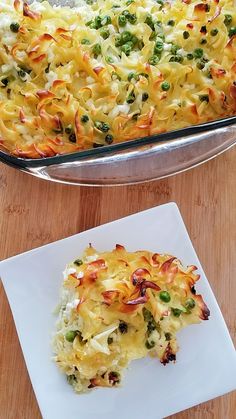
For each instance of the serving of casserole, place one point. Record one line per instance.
(119, 306)
(108, 72)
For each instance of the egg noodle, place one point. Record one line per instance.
(119, 306)
(111, 71)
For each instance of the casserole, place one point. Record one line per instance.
(119, 306)
(174, 85)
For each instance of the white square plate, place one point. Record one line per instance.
(206, 361)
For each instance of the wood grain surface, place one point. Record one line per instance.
(34, 212)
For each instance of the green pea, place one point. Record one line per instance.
(151, 326)
(208, 74)
(140, 44)
(71, 379)
(102, 126)
(145, 96)
(109, 59)
(171, 22)
(26, 69)
(71, 335)
(190, 303)
(68, 129)
(135, 116)
(104, 32)
(130, 97)
(144, 75)
(176, 58)
(153, 36)
(147, 315)
(232, 31)
(174, 49)
(115, 76)
(123, 327)
(200, 65)
(122, 20)
(114, 377)
(198, 53)
(90, 23)
(5, 81)
(228, 20)
(58, 130)
(126, 36)
(78, 262)
(97, 50)
(149, 22)
(126, 13)
(168, 336)
(85, 41)
(164, 295)
(84, 119)
(106, 20)
(161, 36)
(47, 69)
(203, 41)
(205, 60)
(97, 22)
(134, 39)
(132, 18)
(214, 32)
(154, 59)
(151, 323)
(132, 75)
(176, 311)
(127, 48)
(14, 27)
(158, 48)
(109, 139)
(21, 73)
(149, 344)
(186, 34)
(190, 56)
(72, 137)
(118, 42)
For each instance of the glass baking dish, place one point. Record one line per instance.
(134, 161)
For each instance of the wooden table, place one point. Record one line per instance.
(34, 212)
